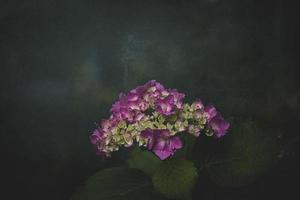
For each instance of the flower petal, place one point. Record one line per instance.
(219, 125)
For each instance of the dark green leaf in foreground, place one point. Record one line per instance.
(118, 183)
(175, 178)
(248, 152)
(143, 160)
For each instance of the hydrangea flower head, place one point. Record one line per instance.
(153, 117)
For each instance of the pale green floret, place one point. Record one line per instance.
(155, 114)
(142, 143)
(128, 139)
(202, 120)
(184, 115)
(173, 132)
(159, 125)
(187, 112)
(107, 140)
(146, 124)
(114, 131)
(180, 125)
(161, 119)
(122, 124)
(198, 114)
(169, 126)
(135, 133)
(208, 132)
(172, 118)
(187, 108)
(130, 127)
(195, 130)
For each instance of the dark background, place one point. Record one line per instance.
(64, 62)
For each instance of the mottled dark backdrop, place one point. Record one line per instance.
(64, 62)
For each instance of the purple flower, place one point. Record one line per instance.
(140, 90)
(120, 104)
(138, 116)
(138, 105)
(197, 105)
(161, 143)
(107, 124)
(123, 114)
(134, 105)
(177, 97)
(96, 136)
(154, 85)
(219, 125)
(124, 110)
(153, 91)
(127, 106)
(210, 111)
(166, 147)
(165, 106)
(132, 97)
(98, 140)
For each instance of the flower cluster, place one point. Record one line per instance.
(153, 116)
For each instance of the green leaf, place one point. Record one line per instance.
(143, 160)
(248, 153)
(175, 178)
(118, 183)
